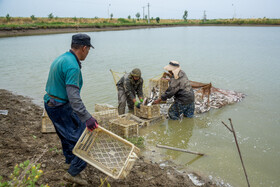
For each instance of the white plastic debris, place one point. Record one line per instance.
(195, 180)
(4, 112)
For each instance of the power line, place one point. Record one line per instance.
(148, 13)
(143, 12)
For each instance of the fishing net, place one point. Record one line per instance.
(117, 76)
(216, 98)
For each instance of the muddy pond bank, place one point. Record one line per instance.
(11, 32)
(21, 139)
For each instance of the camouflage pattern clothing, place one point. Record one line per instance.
(128, 88)
(183, 95)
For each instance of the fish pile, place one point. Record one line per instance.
(217, 99)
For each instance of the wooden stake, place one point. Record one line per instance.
(178, 149)
(233, 132)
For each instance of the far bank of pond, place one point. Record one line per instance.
(28, 31)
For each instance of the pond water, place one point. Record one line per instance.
(244, 59)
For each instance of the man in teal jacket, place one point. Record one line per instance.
(64, 105)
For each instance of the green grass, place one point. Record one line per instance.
(137, 141)
(45, 23)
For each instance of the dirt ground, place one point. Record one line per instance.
(21, 139)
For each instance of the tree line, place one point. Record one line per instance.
(137, 15)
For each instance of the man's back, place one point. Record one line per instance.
(64, 71)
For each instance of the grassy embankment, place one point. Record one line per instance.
(45, 23)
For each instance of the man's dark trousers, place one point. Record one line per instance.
(69, 128)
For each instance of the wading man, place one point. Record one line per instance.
(180, 88)
(129, 86)
(64, 105)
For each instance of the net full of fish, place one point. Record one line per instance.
(217, 99)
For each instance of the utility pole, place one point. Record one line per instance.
(234, 12)
(148, 13)
(204, 16)
(143, 12)
(109, 11)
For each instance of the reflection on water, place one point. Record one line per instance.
(173, 134)
(244, 59)
(193, 160)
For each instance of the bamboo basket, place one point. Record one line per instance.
(103, 117)
(102, 107)
(159, 84)
(107, 152)
(148, 122)
(47, 125)
(126, 125)
(134, 118)
(147, 112)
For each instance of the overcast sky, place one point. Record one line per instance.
(165, 9)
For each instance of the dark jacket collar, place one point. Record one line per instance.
(133, 82)
(80, 65)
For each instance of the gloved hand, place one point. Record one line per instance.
(157, 101)
(91, 124)
(138, 104)
(141, 100)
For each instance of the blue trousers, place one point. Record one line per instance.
(177, 109)
(69, 128)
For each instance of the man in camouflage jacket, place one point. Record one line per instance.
(129, 86)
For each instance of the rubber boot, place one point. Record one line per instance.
(77, 179)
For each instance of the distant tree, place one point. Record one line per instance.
(138, 15)
(111, 16)
(157, 19)
(8, 18)
(185, 16)
(50, 16)
(152, 18)
(75, 18)
(95, 17)
(146, 17)
(128, 17)
(32, 17)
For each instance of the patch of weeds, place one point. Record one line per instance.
(25, 174)
(103, 182)
(54, 149)
(137, 141)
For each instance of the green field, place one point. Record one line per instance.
(44, 23)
